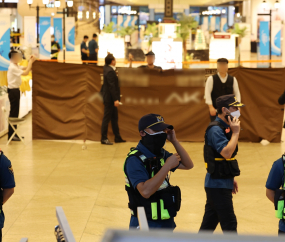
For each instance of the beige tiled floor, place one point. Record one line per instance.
(89, 185)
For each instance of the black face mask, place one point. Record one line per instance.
(154, 143)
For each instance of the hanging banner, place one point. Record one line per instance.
(224, 24)
(218, 24)
(205, 23)
(70, 33)
(30, 30)
(57, 25)
(45, 40)
(276, 38)
(209, 22)
(4, 42)
(264, 38)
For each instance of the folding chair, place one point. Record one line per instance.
(12, 122)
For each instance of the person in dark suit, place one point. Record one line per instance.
(111, 97)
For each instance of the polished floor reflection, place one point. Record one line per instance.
(89, 185)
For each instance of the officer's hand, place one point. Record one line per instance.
(171, 135)
(173, 161)
(117, 103)
(235, 125)
(213, 111)
(235, 190)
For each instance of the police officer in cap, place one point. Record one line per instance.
(147, 170)
(275, 180)
(220, 150)
(150, 58)
(7, 184)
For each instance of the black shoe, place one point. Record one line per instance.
(106, 142)
(120, 140)
(16, 139)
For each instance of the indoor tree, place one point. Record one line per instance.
(151, 32)
(109, 28)
(241, 32)
(187, 23)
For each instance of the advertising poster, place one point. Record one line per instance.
(264, 38)
(57, 25)
(70, 33)
(276, 38)
(30, 35)
(45, 38)
(224, 24)
(4, 42)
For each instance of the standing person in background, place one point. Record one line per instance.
(220, 84)
(84, 49)
(7, 182)
(14, 82)
(93, 49)
(55, 48)
(150, 58)
(111, 97)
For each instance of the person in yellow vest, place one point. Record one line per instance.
(55, 48)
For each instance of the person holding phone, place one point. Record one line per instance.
(220, 150)
(218, 85)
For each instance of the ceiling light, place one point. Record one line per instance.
(277, 4)
(264, 4)
(69, 3)
(29, 1)
(87, 14)
(238, 15)
(45, 2)
(57, 3)
(94, 15)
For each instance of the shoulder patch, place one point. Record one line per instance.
(10, 168)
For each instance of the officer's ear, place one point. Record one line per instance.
(142, 133)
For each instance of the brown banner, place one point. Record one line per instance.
(67, 104)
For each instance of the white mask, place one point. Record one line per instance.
(236, 114)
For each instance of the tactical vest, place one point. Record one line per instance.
(216, 164)
(279, 198)
(164, 203)
(54, 50)
(220, 88)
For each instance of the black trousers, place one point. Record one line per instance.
(0, 235)
(281, 233)
(84, 58)
(110, 114)
(219, 209)
(14, 98)
(93, 57)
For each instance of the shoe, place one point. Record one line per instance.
(106, 142)
(120, 140)
(16, 139)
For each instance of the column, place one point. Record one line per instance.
(107, 14)
(151, 14)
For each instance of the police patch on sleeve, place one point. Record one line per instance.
(10, 168)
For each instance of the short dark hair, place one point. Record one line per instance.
(223, 60)
(109, 58)
(11, 53)
(220, 111)
(85, 37)
(94, 35)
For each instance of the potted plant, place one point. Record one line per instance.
(109, 29)
(151, 32)
(241, 32)
(187, 24)
(126, 31)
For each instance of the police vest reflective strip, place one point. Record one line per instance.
(206, 164)
(280, 211)
(225, 159)
(143, 158)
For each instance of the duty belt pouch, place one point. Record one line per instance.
(279, 203)
(209, 159)
(234, 168)
(171, 197)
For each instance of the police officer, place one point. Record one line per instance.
(218, 85)
(275, 180)
(7, 182)
(220, 149)
(146, 172)
(150, 58)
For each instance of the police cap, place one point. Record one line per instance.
(228, 101)
(154, 122)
